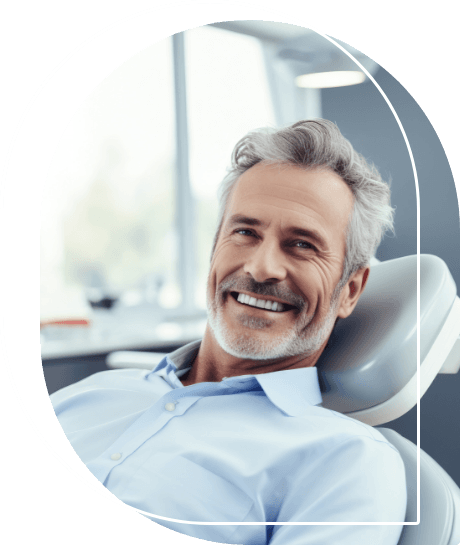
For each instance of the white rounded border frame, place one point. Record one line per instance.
(4, 174)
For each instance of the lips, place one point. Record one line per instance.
(236, 284)
(256, 301)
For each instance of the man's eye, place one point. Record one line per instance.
(244, 232)
(304, 244)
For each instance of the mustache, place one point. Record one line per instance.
(246, 283)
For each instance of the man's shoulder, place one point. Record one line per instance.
(340, 429)
(352, 450)
(113, 379)
(349, 472)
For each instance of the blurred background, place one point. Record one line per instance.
(129, 210)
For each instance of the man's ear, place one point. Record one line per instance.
(352, 291)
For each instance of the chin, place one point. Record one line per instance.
(252, 339)
(251, 345)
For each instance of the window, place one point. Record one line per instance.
(109, 211)
(228, 96)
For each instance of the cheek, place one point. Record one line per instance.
(330, 272)
(317, 282)
(226, 259)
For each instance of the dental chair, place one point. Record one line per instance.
(368, 371)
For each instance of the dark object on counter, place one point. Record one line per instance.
(105, 302)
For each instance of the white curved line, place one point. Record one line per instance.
(5, 170)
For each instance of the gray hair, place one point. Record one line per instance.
(320, 144)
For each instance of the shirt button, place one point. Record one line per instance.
(116, 456)
(170, 406)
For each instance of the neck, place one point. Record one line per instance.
(212, 363)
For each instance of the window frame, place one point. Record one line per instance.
(185, 207)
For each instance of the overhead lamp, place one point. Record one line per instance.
(317, 63)
(335, 78)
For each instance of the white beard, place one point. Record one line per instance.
(302, 339)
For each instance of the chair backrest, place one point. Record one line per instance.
(368, 369)
(439, 498)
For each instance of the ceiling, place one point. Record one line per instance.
(293, 37)
(265, 30)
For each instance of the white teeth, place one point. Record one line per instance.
(260, 303)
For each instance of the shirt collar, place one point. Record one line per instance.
(292, 390)
(176, 364)
(183, 357)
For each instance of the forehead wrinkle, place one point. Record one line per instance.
(287, 200)
(245, 219)
(274, 189)
(329, 185)
(273, 192)
(304, 211)
(300, 207)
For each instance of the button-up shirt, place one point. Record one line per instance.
(251, 448)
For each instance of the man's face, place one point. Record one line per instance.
(282, 241)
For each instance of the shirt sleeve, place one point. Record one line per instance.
(360, 480)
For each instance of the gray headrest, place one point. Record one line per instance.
(372, 354)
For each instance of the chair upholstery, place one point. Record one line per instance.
(368, 369)
(439, 498)
(371, 360)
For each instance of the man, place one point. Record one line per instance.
(230, 428)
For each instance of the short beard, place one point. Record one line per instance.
(303, 339)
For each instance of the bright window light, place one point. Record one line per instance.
(108, 206)
(323, 80)
(227, 96)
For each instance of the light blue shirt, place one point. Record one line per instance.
(253, 448)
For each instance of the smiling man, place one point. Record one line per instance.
(278, 259)
(230, 428)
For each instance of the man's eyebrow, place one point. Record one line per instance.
(239, 219)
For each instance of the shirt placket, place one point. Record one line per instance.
(173, 404)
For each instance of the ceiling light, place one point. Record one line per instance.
(335, 78)
(317, 63)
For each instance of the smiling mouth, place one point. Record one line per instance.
(263, 304)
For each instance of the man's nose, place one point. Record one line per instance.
(266, 263)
